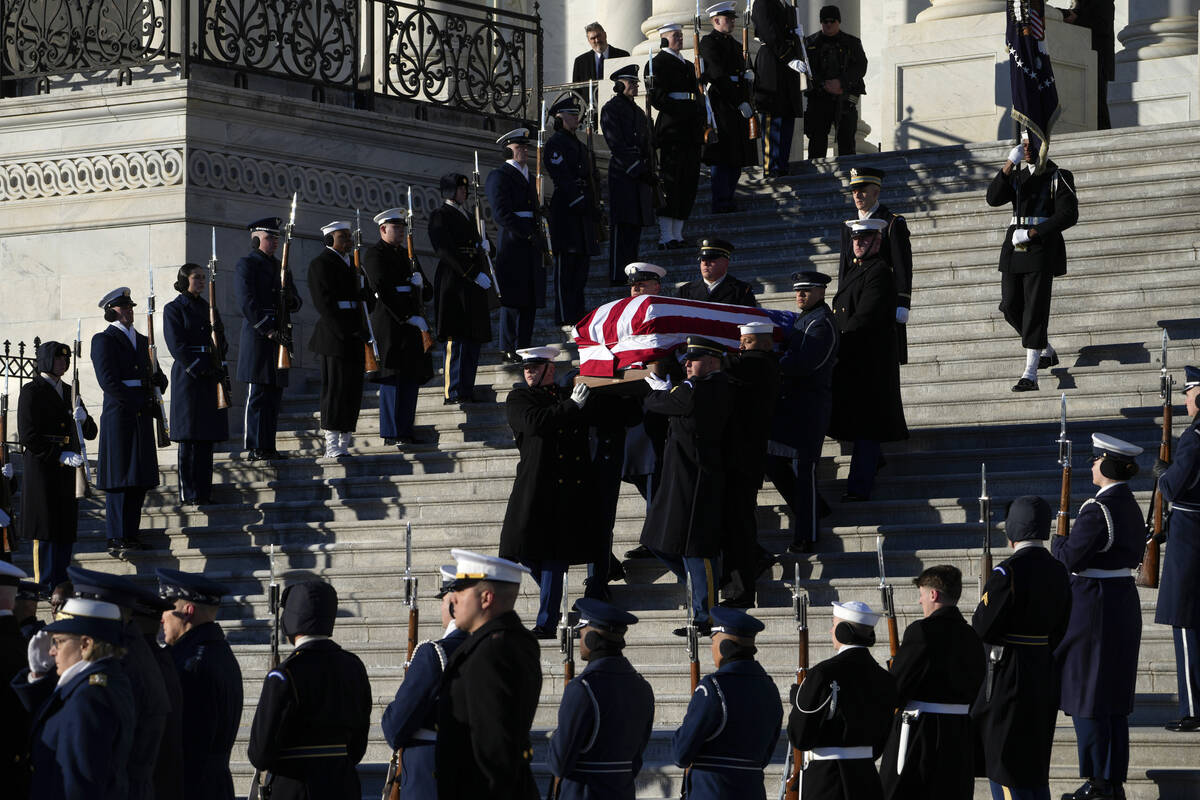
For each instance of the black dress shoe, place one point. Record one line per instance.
(451, 401)
(510, 357)
(411, 440)
(389, 441)
(616, 572)
(134, 543)
(1046, 362)
(1185, 725)
(255, 455)
(641, 551)
(800, 549)
(743, 600)
(1025, 385)
(275, 455)
(115, 547)
(543, 633)
(1094, 789)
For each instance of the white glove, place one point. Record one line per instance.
(418, 323)
(69, 459)
(1016, 155)
(1020, 236)
(748, 75)
(746, 110)
(486, 245)
(902, 315)
(798, 65)
(579, 394)
(417, 280)
(4, 518)
(658, 384)
(483, 281)
(7, 471)
(40, 660)
(80, 414)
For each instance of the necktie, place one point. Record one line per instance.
(600, 65)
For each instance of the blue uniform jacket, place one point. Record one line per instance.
(518, 265)
(1179, 588)
(729, 732)
(413, 714)
(256, 284)
(127, 444)
(1099, 654)
(806, 383)
(630, 187)
(81, 733)
(572, 229)
(188, 333)
(604, 722)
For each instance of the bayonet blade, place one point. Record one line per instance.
(879, 554)
(1062, 426)
(214, 245)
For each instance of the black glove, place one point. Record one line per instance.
(1160, 467)
(159, 380)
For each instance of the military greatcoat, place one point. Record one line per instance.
(777, 89)
(1179, 588)
(727, 89)
(630, 179)
(572, 226)
(389, 275)
(460, 305)
(806, 383)
(188, 334)
(678, 130)
(127, 440)
(896, 250)
(256, 282)
(520, 271)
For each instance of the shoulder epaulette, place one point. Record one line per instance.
(97, 679)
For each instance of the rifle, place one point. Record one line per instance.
(7, 545)
(790, 790)
(888, 600)
(808, 81)
(566, 636)
(481, 228)
(83, 474)
(224, 390)
(391, 783)
(283, 315)
(426, 336)
(985, 516)
(598, 210)
(543, 225)
(710, 121)
(370, 347)
(260, 785)
(1147, 574)
(1064, 461)
(162, 428)
(754, 132)
(693, 651)
(660, 197)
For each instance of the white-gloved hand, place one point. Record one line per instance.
(69, 459)
(1017, 154)
(1020, 236)
(902, 315)
(418, 322)
(4, 518)
(483, 281)
(748, 75)
(38, 651)
(417, 280)
(486, 245)
(7, 471)
(746, 110)
(80, 414)
(798, 65)
(658, 384)
(579, 394)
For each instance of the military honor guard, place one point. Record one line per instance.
(804, 408)
(841, 715)
(630, 177)
(520, 272)
(403, 363)
(210, 679)
(732, 723)
(460, 289)
(128, 463)
(14, 731)
(867, 407)
(552, 481)
(258, 292)
(410, 720)
(715, 284)
(938, 670)
(573, 226)
(1022, 617)
(678, 132)
(896, 248)
(310, 728)
(196, 421)
(47, 414)
(81, 705)
(727, 77)
(25, 608)
(1034, 253)
(685, 521)
(1099, 654)
(490, 688)
(778, 65)
(606, 713)
(839, 66)
(146, 621)
(1179, 588)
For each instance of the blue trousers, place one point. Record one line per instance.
(1187, 668)
(549, 577)
(1013, 793)
(777, 143)
(570, 280)
(516, 327)
(397, 407)
(704, 572)
(50, 562)
(723, 180)
(123, 512)
(462, 362)
(195, 471)
(262, 416)
(1103, 744)
(796, 480)
(864, 463)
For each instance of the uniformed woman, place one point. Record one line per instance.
(196, 420)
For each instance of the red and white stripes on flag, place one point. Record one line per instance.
(635, 330)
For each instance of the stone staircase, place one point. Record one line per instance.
(1133, 266)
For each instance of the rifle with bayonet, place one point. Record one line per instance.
(370, 347)
(660, 197)
(1064, 461)
(1147, 573)
(793, 765)
(599, 213)
(7, 545)
(808, 79)
(283, 314)
(888, 601)
(710, 120)
(418, 287)
(754, 133)
(219, 347)
(540, 206)
(566, 634)
(162, 427)
(494, 295)
(260, 785)
(693, 651)
(985, 516)
(83, 473)
(391, 783)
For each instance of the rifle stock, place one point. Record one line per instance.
(754, 132)
(791, 788)
(391, 782)
(370, 347)
(1064, 460)
(283, 314)
(224, 390)
(1147, 573)
(162, 427)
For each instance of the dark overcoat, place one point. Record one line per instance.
(777, 89)
(194, 375)
(520, 271)
(46, 427)
(604, 722)
(866, 378)
(1022, 616)
(460, 307)
(680, 119)
(341, 328)
(727, 89)
(389, 275)
(552, 481)
(256, 284)
(14, 733)
(168, 769)
(151, 706)
(319, 696)
(630, 179)
(686, 514)
(941, 660)
(730, 291)
(489, 696)
(806, 383)
(896, 250)
(862, 717)
(755, 395)
(729, 731)
(1049, 197)
(839, 56)
(1179, 587)
(1099, 655)
(573, 226)
(1098, 16)
(127, 439)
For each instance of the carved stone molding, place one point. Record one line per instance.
(104, 172)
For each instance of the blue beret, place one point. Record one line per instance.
(176, 585)
(599, 614)
(734, 622)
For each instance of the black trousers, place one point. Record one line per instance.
(739, 545)
(679, 165)
(622, 249)
(195, 471)
(341, 392)
(1025, 304)
(570, 279)
(821, 115)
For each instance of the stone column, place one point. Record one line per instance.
(1157, 73)
(948, 9)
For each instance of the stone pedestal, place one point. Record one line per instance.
(946, 79)
(1157, 73)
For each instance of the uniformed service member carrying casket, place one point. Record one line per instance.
(715, 284)
(573, 226)
(630, 177)
(678, 133)
(728, 78)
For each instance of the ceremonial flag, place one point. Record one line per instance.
(1034, 93)
(635, 330)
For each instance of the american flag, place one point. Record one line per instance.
(634, 330)
(1031, 76)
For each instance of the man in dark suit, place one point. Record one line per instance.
(590, 66)
(1098, 17)
(716, 285)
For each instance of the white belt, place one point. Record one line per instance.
(524, 214)
(132, 383)
(424, 735)
(1105, 573)
(1027, 220)
(938, 708)
(1183, 507)
(681, 95)
(404, 288)
(840, 753)
(347, 305)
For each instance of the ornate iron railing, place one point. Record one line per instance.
(19, 367)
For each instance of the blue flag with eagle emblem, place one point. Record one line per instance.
(1034, 92)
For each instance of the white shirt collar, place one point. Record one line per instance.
(459, 208)
(72, 671)
(603, 52)
(869, 212)
(716, 283)
(309, 638)
(850, 647)
(53, 380)
(524, 170)
(451, 628)
(6, 612)
(1110, 486)
(130, 332)
(672, 52)
(1029, 543)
